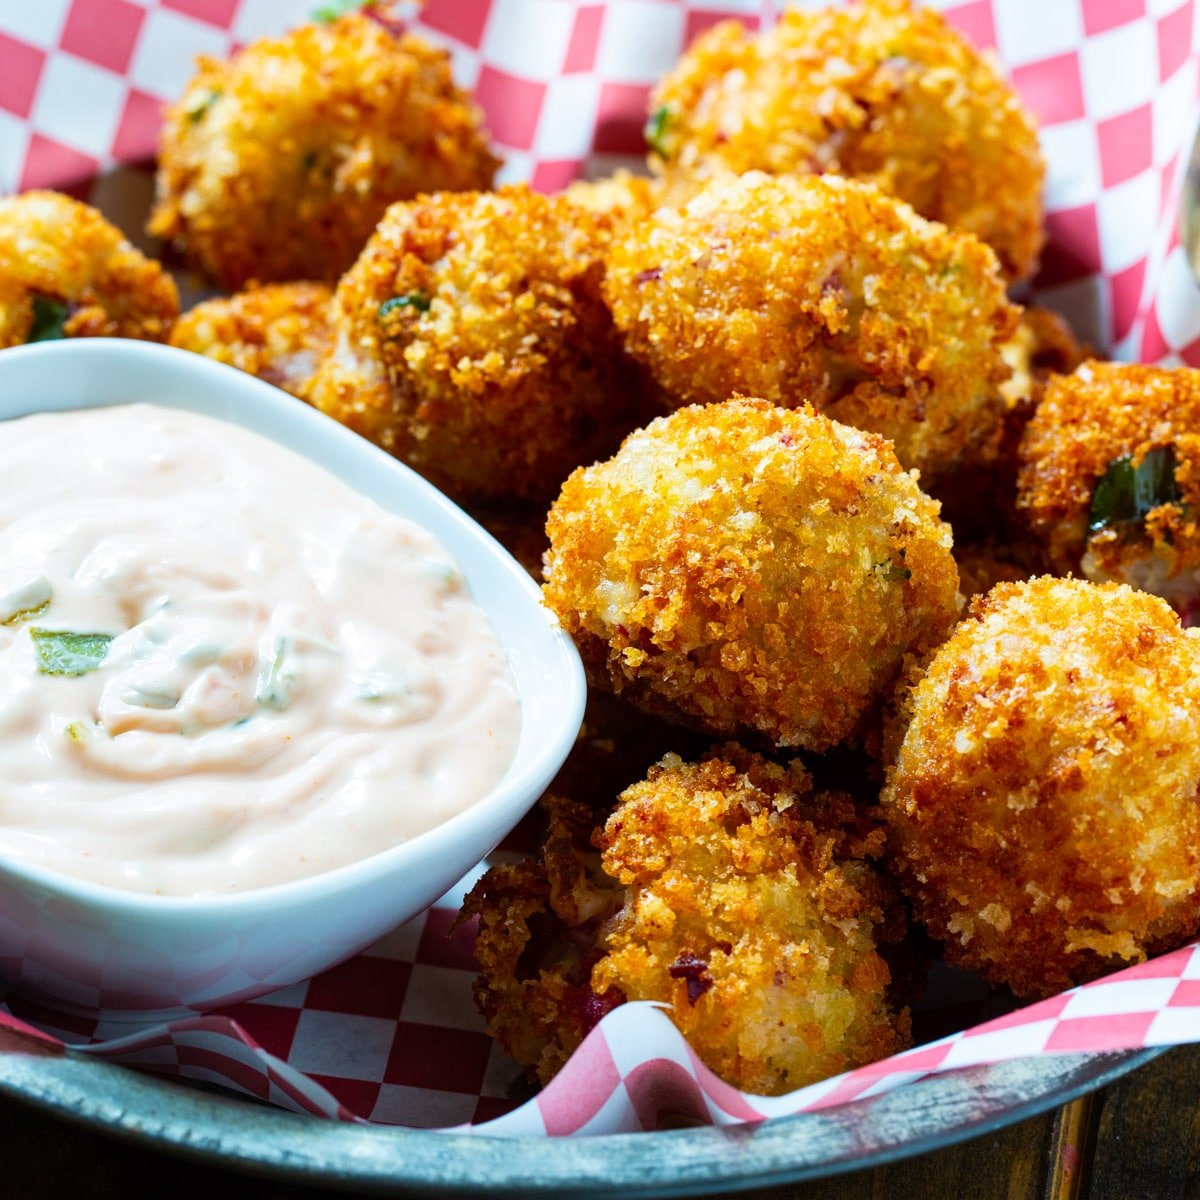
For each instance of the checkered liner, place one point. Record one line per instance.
(392, 1035)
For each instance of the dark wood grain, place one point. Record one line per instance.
(1148, 1132)
(1139, 1138)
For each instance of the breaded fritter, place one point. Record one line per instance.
(278, 332)
(537, 941)
(622, 195)
(827, 291)
(878, 90)
(750, 906)
(278, 164)
(66, 272)
(754, 910)
(1042, 345)
(472, 342)
(1110, 476)
(1043, 802)
(750, 568)
(980, 499)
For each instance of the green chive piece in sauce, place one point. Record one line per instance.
(61, 652)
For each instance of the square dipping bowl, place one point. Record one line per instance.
(94, 950)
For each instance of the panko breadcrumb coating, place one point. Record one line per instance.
(877, 90)
(622, 195)
(278, 332)
(750, 906)
(750, 568)
(278, 164)
(754, 910)
(1043, 801)
(827, 291)
(1042, 345)
(537, 941)
(1110, 476)
(980, 499)
(66, 272)
(472, 342)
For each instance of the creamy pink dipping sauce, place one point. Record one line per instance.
(270, 676)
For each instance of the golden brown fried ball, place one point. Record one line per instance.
(538, 938)
(1042, 345)
(66, 272)
(1110, 476)
(278, 164)
(980, 499)
(821, 290)
(1043, 802)
(754, 910)
(278, 332)
(877, 90)
(749, 905)
(750, 567)
(623, 196)
(472, 342)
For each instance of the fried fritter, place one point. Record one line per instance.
(1110, 477)
(750, 906)
(878, 90)
(66, 272)
(754, 910)
(278, 332)
(472, 342)
(622, 195)
(278, 164)
(979, 500)
(827, 291)
(537, 941)
(1041, 346)
(750, 567)
(1043, 801)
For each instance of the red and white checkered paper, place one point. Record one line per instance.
(392, 1035)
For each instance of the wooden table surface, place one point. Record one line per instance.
(1138, 1138)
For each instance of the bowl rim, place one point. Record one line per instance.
(265, 407)
(217, 1128)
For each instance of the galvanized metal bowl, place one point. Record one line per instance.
(925, 1116)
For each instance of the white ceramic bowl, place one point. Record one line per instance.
(87, 948)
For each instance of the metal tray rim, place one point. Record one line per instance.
(225, 1131)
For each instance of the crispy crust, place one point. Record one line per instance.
(750, 567)
(827, 291)
(728, 891)
(536, 942)
(277, 333)
(1043, 801)
(877, 90)
(980, 500)
(1106, 411)
(59, 249)
(277, 164)
(626, 197)
(496, 371)
(754, 910)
